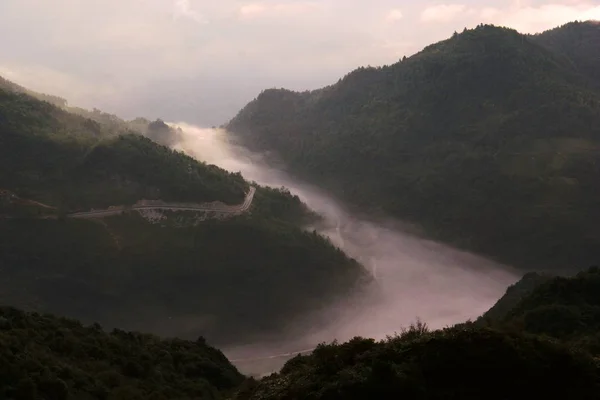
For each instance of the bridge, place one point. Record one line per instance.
(157, 205)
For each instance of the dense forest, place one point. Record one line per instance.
(65, 160)
(565, 308)
(488, 141)
(45, 357)
(128, 272)
(216, 279)
(454, 363)
(546, 343)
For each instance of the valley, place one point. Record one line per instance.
(425, 230)
(487, 141)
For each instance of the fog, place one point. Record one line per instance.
(414, 278)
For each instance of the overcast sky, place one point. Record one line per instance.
(200, 61)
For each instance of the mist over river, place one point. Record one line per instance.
(414, 278)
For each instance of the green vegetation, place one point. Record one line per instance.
(13, 87)
(514, 294)
(565, 308)
(541, 337)
(454, 363)
(579, 44)
(68, 161)
(547, 344)
(216, 279)
(44, 357)
(186, 275)
(487, 141)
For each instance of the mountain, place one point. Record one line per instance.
(579, 43)
(57, 358)
(514, 294)
(7, 85)
(487, 141)
(566, 308)
(541, 337)
(47, 357)
(175, 273)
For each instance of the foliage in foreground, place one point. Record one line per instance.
(454, 363)
(45, 357)
(565, 308)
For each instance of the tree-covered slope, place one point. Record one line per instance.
(579, 43)
(514, 294)
(66, 160)
(45, 357)
(184, 274)
(487, 140)
(566, 308)
(230, 280)
(563, 308)
(455, 363)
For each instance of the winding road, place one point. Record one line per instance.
(206, 207)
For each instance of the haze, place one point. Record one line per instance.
(415, 279)
(200, 61)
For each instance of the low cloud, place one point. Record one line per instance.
(442, 12)
(257, 10)
(184, 9)
(394, 15)
(532, 19)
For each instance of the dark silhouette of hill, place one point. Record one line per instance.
(565, 308)
(183, 275)
(46, 357)
(488, 141)
(579, 43)
(454, 363)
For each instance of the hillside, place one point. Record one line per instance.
(513, 296)
(566, 308)
(563, 308)
(171, 273)
(56, 358)
(65, 160)
(455, 363)
(541, 338)
(487, 141)
(579, 43)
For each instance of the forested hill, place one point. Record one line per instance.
(45, 357)
(541, 337)
(579, 43)
(171, 273)
(488, 141)
(70, 161)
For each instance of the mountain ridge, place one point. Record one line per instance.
(124, 270)
(486, 140)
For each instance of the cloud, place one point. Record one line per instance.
(254, 10)
(489, 13)
(210, 57)
(46, 80)
(394, 15)
(442, 12)
(183, 8)
(533, 19)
